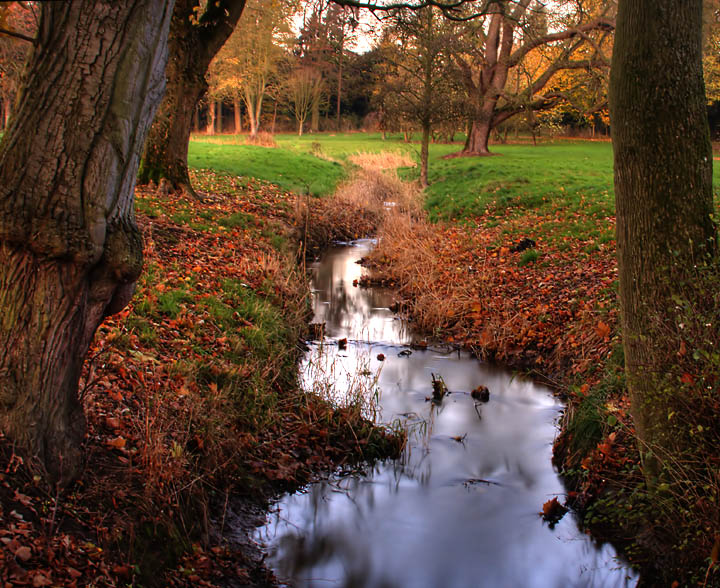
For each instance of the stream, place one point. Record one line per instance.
(461, 506)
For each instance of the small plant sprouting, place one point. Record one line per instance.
(530, 256)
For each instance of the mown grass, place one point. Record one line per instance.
(293, 171)
(311, 164)
(560, 174)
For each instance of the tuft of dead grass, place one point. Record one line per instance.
(384, 160)
(261, 140)
(359, 207)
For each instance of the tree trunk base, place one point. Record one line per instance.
(167, 187)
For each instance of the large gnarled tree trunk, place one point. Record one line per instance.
(486, 66)
(663, 187)
(70, 251)
(192, 45)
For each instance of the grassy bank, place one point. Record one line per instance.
(192, 404)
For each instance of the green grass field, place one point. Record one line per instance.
(312, 164)
(292, 171)
(522, 177)
(573, 176)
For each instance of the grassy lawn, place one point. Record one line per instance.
(522, 177)
(311, 163)
(295, 172)
(573, 179)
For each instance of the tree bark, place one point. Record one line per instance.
(339, 83)
(315, 116)
(210, 128)
(663, 190)
(192, 46)
(253, 105)
(70, 251)
(238, 116)
(274, 119)
(468, 135)
(6, 112)
(479, 138)
(424, 154)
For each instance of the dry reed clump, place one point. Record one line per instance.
(407, 253)
(218, 139)
(261, 140)
(357, 209)
(385, 160)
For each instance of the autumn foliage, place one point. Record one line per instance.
(192, 404)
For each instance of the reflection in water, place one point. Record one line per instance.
(460, 508)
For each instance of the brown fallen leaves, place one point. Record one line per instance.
(189, 393)
(554, 315)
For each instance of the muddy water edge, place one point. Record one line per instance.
(461, 506)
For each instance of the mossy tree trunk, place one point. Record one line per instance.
(663, 189)
(70, 251)
(194, 41)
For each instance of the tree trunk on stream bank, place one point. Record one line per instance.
(70, 249)
(192, 44)
(663, 188)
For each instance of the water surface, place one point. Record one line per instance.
(460, 508)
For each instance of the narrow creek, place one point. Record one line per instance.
(460, 508)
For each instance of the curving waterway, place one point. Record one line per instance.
(460, 508)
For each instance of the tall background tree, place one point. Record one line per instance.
(418, 84)
(69, 246)
(493, 45)
(663, 191)
(198, 31)
(342, 23)
(304, 93)
(243, 68)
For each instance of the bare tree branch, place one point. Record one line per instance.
(17, 35)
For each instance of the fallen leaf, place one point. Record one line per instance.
(117, 443)
(603, 330)
(23, 553)
(41, 580)
(553, 511)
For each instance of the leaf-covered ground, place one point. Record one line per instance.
(192, 405)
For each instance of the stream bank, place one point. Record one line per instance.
(535, 290)
(194, 413)
(462, 505)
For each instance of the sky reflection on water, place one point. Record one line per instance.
(448, 513)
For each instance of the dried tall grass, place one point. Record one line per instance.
(261, 140)
(385, 160)
(359, 207)
(408, 251)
